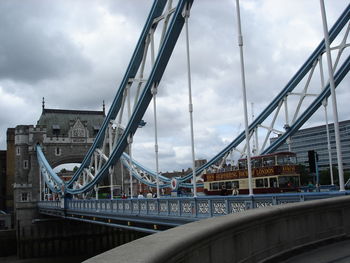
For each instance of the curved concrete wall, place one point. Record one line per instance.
(249, 236)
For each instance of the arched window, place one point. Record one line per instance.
(57, 151)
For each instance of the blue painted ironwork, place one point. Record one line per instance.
(166, 181)
(157, 72)
(156, 10)
(166, 49)
(53, 181)
(169, 210)
(341, 73)
(333, 33)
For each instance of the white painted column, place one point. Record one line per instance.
(333, 97)
(130, 139)
(122, 174)
(194, 179)
(240, 44)
(325, 104)
(154, 93)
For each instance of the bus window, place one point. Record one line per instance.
(242, 164)
(281, 160)
(221, 185)
(214, 186)
(291, 160)
(291, 181)
(273, 182)
(286, 159)
(235, 183)
(284, 181)
(266, 183)
(253, 163)
(228, 185)
(269, 161)
(259, 183)
(256, 163)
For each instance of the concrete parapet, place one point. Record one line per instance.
(249, 236)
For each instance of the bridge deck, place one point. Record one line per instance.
(153, 215)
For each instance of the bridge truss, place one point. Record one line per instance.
(303, 95)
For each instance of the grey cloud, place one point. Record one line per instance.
(30, 50)
(38, 57)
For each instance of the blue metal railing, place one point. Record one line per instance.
(183, 207)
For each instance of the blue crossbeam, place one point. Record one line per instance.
(342, 72)
(166, 49)
(50, 172)
(333, 33)
(163, 57)
(156, 11)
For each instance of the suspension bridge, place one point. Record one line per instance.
(306, 92)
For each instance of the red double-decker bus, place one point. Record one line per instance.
(271, 173)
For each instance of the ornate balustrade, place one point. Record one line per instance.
(182, 207)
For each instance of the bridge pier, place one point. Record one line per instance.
(49, 237)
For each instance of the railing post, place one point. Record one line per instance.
(168, 206)
(210, 203)
(194, 209)
(139, 206)
(250, 204)
(274, 200)
(158, 206)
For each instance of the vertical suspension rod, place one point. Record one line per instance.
(287, 121)
(111, 170)
(240, 44)
(122, 174)
(154, 93)
(256, 144)
(194, 179)
(130, 144)
(333, 97)
(325, 103)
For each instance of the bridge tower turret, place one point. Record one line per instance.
(24, 196)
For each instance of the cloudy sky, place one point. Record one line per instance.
(75, 53)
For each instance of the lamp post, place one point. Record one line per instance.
(240, 44)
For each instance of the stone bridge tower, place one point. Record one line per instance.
(65, 136)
